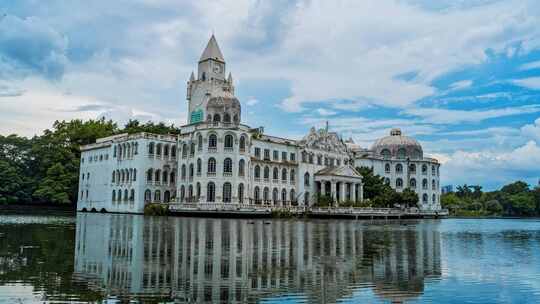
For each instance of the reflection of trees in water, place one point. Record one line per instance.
(194, 259)
(41, 256)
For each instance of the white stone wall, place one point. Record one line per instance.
(433, 193)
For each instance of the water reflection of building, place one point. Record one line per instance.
(214, 260)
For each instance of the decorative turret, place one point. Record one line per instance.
(211, 63)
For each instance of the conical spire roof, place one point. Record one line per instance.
(212, 51)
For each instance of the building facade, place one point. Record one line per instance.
(217, 159)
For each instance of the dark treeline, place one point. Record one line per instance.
(515, 199)
(45, 168)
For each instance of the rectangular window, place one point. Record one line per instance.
(293, 156)
(276, 155)
(284, 156)
(258, 152)
(266, 154)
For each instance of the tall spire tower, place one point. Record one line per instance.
(211, 82)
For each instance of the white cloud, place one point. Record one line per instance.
(492, 168)
(530, 66)
(532, 83)
(446, 116)
(252, 101)
(532, 131)
(325, 112)
(458, 85)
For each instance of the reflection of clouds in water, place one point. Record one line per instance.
(196, 259)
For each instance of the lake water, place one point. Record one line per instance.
(108, 258)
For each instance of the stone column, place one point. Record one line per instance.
(353, 192)
(342, 190)
(361, 190)
(333, 188)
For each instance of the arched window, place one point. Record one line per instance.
(283, 196)
(165, 177)
(399, 183)
(257, 172)
(242, 143)
(158, 149)
(149, 175)
(157, 176)
(229, 141)
(227, 166)
(412, 168)
(126, 195)
(401, 153)
(198, 192)
(190, 193)
(113, 195)
(386, 153)
(293, 196)
(227, 192)
(199, 142)
(192, 149)
(275, 196)
(150, 148)
(433, 199)
(157, 196)
(117, 177)
(119, 195)
(319, 160)
(132, 195)
(182, 193)
(387, 181)
(241, 167)
(424, 184)
(257, 195)
(166, 196)
(241, 193)
(166, 150)
(113, 175)
(387, 168)
(217, 118)
(413, 183)
(275, 174)
(184, 150)
(172, 178)
(123, 174)
(424, 198)
(399, 168)
(284, 174)
(212, 141)
(433, 185)
(134, 176)
(191, 171)
(210, 192)
(227, 118)
(173, 152)
(211, 166)
(292, 176)
(424, 169)
(199, 166)
(306, 179)
(266, 195)
(306, 199)
(236, 120)
(147, 195)
(183, 172)
(266, 172)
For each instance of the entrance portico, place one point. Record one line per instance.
(340, 183)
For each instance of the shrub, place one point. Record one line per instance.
(156, 209)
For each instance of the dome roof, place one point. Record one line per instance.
(398, 146)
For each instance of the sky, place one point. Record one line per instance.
(462, 77)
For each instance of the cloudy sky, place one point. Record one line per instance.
(463, 77)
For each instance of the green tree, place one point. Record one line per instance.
(55, 187)
(11, 183)
(409, 198)
(373, 184)
(451, 202)
(515, 188)
(523, 203)
(494, 207)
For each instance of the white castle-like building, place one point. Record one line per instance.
(217, 159)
